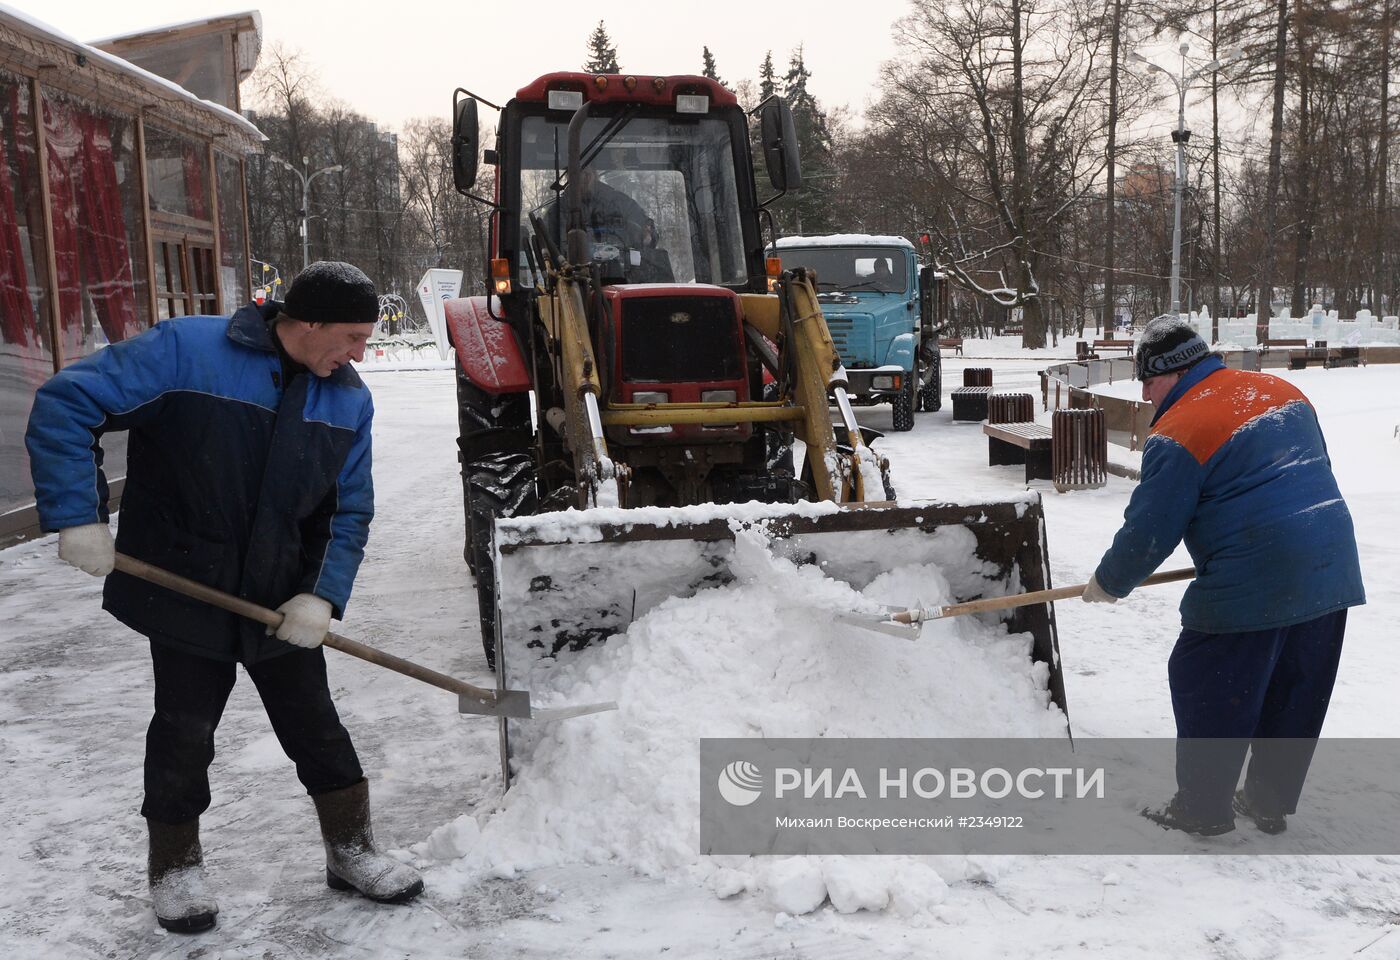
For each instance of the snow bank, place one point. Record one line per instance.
(760, 657)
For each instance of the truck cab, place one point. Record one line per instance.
(882, 309)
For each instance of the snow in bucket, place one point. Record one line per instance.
(760, 657)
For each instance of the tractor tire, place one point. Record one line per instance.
(931, 393)
(499, 485)
(904, 404)
(486, 424)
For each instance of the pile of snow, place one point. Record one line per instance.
(760, 657)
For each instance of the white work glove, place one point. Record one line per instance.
(1093, 593)
(305, 620)
(89, 548)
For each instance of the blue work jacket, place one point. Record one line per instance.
(1236, 466)
(234, 479)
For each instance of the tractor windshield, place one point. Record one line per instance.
(857, 269)
(657, 195)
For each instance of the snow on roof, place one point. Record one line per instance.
(247, 51)
(844, 240)
(157, 85)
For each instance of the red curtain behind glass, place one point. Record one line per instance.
(111, 285)
(196, 195)
(61, 146)
(88, 226)
(16, 309)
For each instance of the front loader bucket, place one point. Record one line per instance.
(568, 579)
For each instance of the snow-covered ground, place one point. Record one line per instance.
(75, 699)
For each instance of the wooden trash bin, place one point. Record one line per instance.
(1078, 449)
(1010, 408)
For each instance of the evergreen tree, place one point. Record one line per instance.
(602, 55)
(810, 209)
(767, 78)
(709, 68)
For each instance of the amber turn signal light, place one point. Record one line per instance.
(500, 275)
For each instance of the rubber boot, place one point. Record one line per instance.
(352, 862)
(175, 869)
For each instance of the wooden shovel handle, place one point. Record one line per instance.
(1026, 599)
(271, 618)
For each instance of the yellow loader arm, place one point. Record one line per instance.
(842, 478)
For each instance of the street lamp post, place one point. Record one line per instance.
(305, 199)
(1180, 136)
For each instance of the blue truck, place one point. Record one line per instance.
(884, 310)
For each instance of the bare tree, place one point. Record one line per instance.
(1387, 30)
(1029, 75)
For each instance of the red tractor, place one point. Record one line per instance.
(616, 423)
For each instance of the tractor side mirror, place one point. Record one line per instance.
(779, 135)
(466, 138)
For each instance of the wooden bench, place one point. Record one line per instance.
(1027, 443)
(970, 400)
(1342, 356)
(951, 343)
(1125, 345)
(970, 403)
(1307, 357)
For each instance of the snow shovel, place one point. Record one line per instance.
(909, 622)
(471, 698)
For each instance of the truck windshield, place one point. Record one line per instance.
(658, 196)
(878, 269)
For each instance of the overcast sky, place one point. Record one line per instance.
(401, 59)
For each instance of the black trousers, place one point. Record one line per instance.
(189, 700)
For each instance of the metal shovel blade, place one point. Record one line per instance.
(878, 624)
(515, 704)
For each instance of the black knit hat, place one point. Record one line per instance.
(1167, 345)
(330, 291)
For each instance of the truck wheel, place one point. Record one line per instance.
(931, 393)
(499, 485)
(904, 404)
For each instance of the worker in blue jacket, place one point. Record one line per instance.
(1236, 465)
(248, 469)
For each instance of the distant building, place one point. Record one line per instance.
(122, 202)
(1145, 181)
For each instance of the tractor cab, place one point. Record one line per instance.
(646, 179)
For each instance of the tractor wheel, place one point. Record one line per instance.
(904, 403)
(931, 393)
(486, 424)
(499, 485)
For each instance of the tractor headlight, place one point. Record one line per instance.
(651, 396)
(882, 383)
(719, 396)
(692, 103)
(569, 100)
